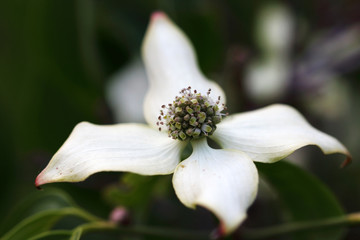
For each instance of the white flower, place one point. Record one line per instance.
(223, 180)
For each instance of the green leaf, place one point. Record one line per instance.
(76, 234)
(304, 198)
(136, 190)
(43, 221)
(91, 227)
(34, 203)
(35, 224)
(53, 235)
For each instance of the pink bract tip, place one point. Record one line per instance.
(222, 229)
(158, 15)
(38, 182)
(219, 232)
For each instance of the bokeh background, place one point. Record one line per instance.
(62, 62)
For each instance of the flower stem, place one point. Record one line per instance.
(250, 234)
(142, 230)
(81, 213)
(262, 233)
(168, 233)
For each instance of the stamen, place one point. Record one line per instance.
(191, 115)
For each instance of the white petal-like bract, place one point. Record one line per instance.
(171, 65)
(223, 181)
(272, 133)
(93, 148)
(125, 93)
(267, 80)
(275, 29)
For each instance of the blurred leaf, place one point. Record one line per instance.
(304, 197)
(53, 235)
(39, 213)
(35, 203)
(83, 229)
(88, 194)
(76, 234)
(137, 190)
(39, 223)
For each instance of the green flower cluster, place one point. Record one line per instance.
(191, 115)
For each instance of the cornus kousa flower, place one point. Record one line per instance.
(188, 108)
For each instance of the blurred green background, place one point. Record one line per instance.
(56, 59)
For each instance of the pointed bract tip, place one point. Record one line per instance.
(346, 162)
(38, 182)
(158, 15)
(219, 232)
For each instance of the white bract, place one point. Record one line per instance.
(267, 76)
(223, 180)
(129, 84)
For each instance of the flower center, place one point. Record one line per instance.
(191, 115)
